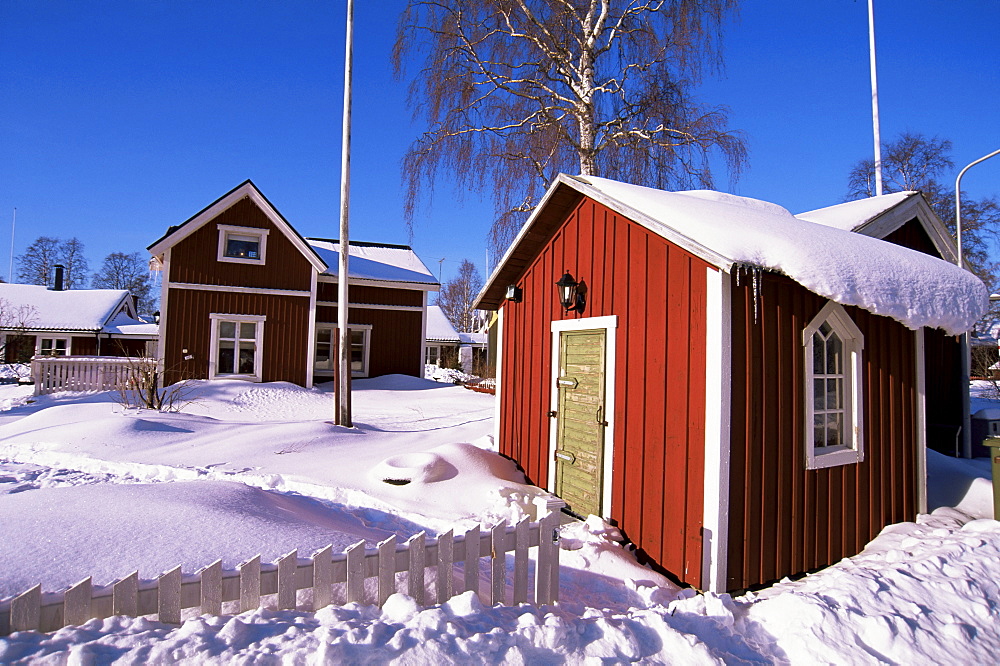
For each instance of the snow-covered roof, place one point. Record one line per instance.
(375, 261)
(71, 310)
(854, 214)
(122, 324)
(439, 328)
(473, 338)
(727, 230)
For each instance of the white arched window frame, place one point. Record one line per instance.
(833, 392)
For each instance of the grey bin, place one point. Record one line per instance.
(985, 423)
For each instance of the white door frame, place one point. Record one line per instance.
(610, 325)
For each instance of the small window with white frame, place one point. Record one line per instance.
(360, 348)
(833, 345)
(242, 245)
(237, 347)
(53, 347)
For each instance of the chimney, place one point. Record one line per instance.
(58, 285)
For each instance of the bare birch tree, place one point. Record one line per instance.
(458, 294)
(516, 91)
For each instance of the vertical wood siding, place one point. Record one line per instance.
(327, 291)
(194, 260)
(396, 338)
(658, 293)
(785, 519)
(913, 236)
(286, 332)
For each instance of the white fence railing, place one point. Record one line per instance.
(173, 592)
(83, 373)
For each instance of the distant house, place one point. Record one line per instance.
(442, 339)
(37, 320)
(449, 348)
(742, 392)
(244, 296)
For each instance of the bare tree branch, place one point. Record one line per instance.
(516, 91)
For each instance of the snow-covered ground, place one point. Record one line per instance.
(88, 488)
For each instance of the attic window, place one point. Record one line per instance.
(242, 245)
(833, 345)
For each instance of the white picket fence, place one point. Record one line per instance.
(205, 591)
(83, 373)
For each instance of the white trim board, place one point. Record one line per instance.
(262, 291)
(610, 324)
(718, 414)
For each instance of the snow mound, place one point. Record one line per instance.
(49, 531)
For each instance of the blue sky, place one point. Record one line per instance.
(120, 118)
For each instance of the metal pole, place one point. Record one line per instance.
(966, 354)
(958, 201)
(344, 335)
(878, 139)
(13, 224)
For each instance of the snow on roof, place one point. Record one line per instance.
(885, 279)
(473, 338)
(76, 309)
(371, 261)
(439, 329)
(122, 324)
(853, 214)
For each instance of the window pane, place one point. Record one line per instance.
(227, 329)
(819, 394)
(825, 329)
(834, 350)
(243, 247)
(323, 351)
(248, 331)
(818, 346)
(833, 394)
(833, 429)
(246, 358)
(227, 355)
(819, 430)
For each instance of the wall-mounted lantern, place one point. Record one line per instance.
(514, 293)
(570, 293)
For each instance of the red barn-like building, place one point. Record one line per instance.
(740, 391)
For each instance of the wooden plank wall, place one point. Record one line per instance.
(286, 332)
(785, 519)
(194, 260)
(658, 293)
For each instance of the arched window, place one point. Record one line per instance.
(833, 345)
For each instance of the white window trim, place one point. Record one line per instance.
(226, 229)
(854, 343)
(366, 329)
(213, 351)
(53, 338)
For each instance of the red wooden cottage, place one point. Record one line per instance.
(740, 391)
(244, 296)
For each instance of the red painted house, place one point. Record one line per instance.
(244, 296)
(740, 391)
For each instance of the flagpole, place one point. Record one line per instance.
(344, 335)
(878, 139)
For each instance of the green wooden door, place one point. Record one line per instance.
(580, 420)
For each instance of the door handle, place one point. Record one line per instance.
(600, 414)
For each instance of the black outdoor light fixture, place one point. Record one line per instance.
(570, 293)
